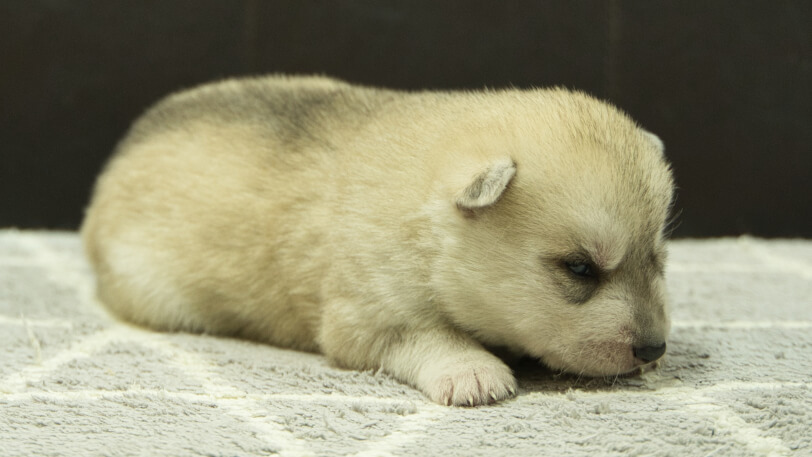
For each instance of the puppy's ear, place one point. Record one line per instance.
(655, 140)
(486, 187)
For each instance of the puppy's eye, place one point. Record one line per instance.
(581, 269)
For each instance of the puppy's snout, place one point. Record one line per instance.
(648, 354)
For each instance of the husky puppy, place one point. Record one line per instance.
(402, 231)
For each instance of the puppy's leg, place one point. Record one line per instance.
(448, 366)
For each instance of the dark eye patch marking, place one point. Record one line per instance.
(576, 275)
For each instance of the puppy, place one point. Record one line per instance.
(403, 231)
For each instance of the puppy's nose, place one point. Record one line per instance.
(649, 353)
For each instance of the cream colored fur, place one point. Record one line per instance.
(390, 230)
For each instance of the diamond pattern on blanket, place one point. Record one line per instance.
(75, 382)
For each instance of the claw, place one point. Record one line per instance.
(470, 401)
(492, 395)
(512, 390)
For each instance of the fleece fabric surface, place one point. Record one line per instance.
(75, 382)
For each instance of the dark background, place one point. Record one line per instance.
(727, 84)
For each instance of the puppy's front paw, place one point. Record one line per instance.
(471, 383)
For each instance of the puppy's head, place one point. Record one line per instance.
(556, 244)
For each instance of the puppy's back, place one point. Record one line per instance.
(209, 184)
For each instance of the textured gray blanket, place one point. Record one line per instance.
(74, 382)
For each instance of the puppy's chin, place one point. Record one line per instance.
(595, 359)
